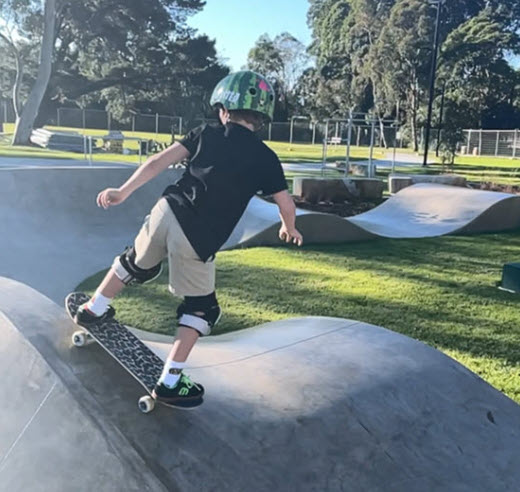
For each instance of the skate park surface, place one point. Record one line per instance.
(299, 404)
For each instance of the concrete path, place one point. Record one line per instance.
(401, 160)
(33, 162)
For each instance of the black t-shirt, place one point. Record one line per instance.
(228, 166)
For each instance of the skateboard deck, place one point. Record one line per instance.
(118, 341)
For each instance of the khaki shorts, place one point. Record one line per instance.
(161, 236)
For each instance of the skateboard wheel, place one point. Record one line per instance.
(146, 404)
(79, 338)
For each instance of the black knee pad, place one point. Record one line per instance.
(186, 313)
(129, 273)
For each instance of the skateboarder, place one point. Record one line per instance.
(195, 216)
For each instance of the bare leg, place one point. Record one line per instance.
(184, 342)
(111, 285)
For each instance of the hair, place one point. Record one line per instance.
(254, 118)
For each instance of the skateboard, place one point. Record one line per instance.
(145, 366)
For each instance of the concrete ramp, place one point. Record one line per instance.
(52, 434)
(303, 404)
(422, 210)
(53, 233)
(428, 210)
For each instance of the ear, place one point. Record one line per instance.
(224, 115)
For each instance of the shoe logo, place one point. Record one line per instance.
(184, 391)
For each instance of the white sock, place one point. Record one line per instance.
(98, 304)
(168, 378)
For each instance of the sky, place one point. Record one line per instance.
(237, 24)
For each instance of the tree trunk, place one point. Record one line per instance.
(415, 136)
(19, 73)
(25, 123)
(17, 83)
(382, 138)
(441, 118)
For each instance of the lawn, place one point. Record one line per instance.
(477, 169)
(441, 291)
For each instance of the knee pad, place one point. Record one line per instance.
(203, 323)
(129, 273)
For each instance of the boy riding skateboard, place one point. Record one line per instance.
(195, 216)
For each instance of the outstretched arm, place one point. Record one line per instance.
(288, 231)
(149, 170)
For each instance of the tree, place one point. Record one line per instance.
(22, 12)
(282, 61)
(95, 45)
(403, 53)
(473, 67)
(378, 52)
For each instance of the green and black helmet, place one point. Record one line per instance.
(245, 90)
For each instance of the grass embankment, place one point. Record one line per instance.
(441, 291)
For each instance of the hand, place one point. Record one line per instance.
(290, 235)
(109, 197)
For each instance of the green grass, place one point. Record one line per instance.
(314, 153)
(477, 169)
(441, 291)
(6, 150)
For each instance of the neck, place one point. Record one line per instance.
(243, 123)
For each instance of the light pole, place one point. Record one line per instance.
(439, 4)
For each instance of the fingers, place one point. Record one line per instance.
(103, 199)
(288, 238)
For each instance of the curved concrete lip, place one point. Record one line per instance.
(302, 404)
(34, 163)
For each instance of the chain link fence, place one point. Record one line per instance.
(103, 120)
(300, 129)
(497, 143)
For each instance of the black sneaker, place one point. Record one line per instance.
(84, 317)
(185, 394)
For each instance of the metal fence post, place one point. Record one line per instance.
(270, 132)
(480, 142)
(515, 141)
(325, 152)
(291, 131)
(180, 126)
(327, 130)
(349, 137)
(313, 132)
(371, 156)
(156, 124)
(496, 145)
(90, 149)
(469, 142)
